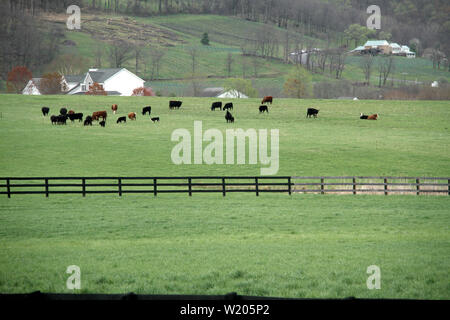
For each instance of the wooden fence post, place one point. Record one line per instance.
(354, 185)
(289, 185)
(83, 187)
(8, 188)
(385, 187)
(46, 188)
(190, 186)
(223, 187)
(154, 187)
(120, 186)
(256, 185)
(321, 185)
(417, 186)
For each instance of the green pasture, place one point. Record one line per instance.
(271, 245)
(411, 138)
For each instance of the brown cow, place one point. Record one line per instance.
(114, 108)
(267, 99)
(132, 115)
(373, 117)
(71, 112)
(99, 114)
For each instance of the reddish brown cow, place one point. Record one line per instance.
(71, 112)
(114, 108)
(99, 114)
(373, 117)
(132, 115)
(267, 99)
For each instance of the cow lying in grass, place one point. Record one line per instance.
(371, 117)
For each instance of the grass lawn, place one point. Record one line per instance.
(274, 245)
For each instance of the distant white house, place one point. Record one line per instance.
(33, 86)
(119, 82)
(232, 94)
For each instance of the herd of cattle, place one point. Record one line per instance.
(64, 114)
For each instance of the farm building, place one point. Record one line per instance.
(383, 47)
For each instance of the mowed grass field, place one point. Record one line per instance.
(272, 245)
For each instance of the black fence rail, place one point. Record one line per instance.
(150, 185)
(372, 185)
(227, 184)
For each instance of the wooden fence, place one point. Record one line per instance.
(224, 185)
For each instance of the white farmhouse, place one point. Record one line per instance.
(117, 81)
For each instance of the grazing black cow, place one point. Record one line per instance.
(363, 116)
(155, 119)
(216, 105)
(175, 104)
(147, 109)
(102, 123)
(122, 119)
(228, 106)
(263, 109)
(229, 117)
(45, 111)
(54, 119)
(61, 119)
(312, 112)
(88, 121)
(63, 111)
(75, 116)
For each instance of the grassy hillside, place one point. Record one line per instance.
(176, 34)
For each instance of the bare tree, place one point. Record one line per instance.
(385, 67)
(366, 65)
(229, 62)
(193, 53)
(156, 55)
(98, 52)
(119, 53)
